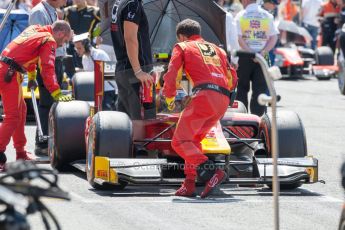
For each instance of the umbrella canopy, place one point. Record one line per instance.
(163, 16)
(15, 24)
(292, 27)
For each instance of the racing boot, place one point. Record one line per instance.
(26, 156)
(187, 188)
(218, 177)
(3, 160)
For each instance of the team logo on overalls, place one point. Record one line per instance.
(209, 54)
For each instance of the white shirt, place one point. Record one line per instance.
(255, 25)
(88, 65)
(310, 10)
(231, 36)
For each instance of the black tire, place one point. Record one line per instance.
(324, 56)
(291, 138)
(110, 135)
(240, 109)
(83, 86)
(67, 133)
(322, 78)
(341, 77)
(342, 220)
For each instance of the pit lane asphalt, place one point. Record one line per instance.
(317, 206)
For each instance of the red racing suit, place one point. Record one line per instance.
(203, 62)
(35, 45)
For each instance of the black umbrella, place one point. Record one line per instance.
(163, 16)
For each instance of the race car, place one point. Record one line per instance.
(294, 59)
(115, 151)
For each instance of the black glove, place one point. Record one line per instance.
(32, 84)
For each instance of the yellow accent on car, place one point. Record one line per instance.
(32, 75)
(215, 142)
(161, 55)
(313, 173)
(103, 170)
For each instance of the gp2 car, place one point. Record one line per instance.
(294, 59)
(115, 151)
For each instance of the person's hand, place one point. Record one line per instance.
(145, 78)
(60, 97)
(32, 84)
(263, 53)
(170, 101)
(235, 66)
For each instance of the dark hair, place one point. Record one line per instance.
(87, 45)
(188, 27)
(62, 26)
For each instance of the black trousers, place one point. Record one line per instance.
(250, 73)
(328, 34)
(342, 42)
(46, 100)
(129, 95)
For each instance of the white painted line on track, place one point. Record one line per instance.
(174, 199)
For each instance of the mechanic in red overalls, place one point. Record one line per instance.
(207, 68)
(35, 45)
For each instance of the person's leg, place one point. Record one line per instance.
(19, 140)
(259, 86)
(195, 122)
(342, 42)
(134, 101)
(11, 98)
(313, 30)
(243, 72)
(332, 39)
(45, 103)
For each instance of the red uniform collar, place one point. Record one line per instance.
(49, 29)
(195, 38)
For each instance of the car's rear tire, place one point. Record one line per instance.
(341, 77)
(83, 86)
(66, 130)
(291, 138)
(110, 135)
(324, 56)
(323, 78)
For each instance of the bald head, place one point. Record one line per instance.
(62, 32)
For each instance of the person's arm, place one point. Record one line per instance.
(46, 62)
(132, 46)
(270, 44)
(175, 66)
(243, 44)
(232, 37)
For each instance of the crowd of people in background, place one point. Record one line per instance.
(318, 17)
(321, 18)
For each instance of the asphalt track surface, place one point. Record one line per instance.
(316, 206)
